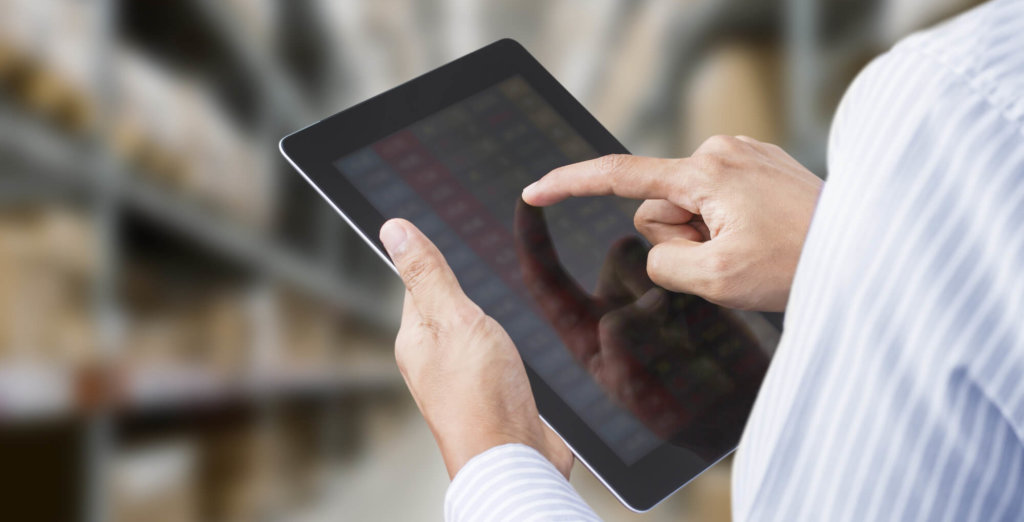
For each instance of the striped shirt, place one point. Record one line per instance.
(897, 391)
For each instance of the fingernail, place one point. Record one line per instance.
(393, 236)
(530, 189)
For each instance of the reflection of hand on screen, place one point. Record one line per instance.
(687, 369)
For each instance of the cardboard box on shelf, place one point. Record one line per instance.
(148, 127)
(51, 235)
(159, 332)
(156, 341)
(167, 125)
(237, 474)
(736, 90)
(45, 339)
(47, 61)
(11, 53)
(47, 260)
(301, 460)
(619, 98)
(164, 124)
(307, 334)
(175, 328)
(155, 483)
(13, 65)
(73, 49)
(367, 357)
(226, 332)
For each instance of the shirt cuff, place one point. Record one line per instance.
(512, 482)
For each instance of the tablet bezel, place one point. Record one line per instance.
(313, 150)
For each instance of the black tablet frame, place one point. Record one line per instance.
(313, 150)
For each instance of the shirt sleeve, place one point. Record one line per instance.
(513, 482)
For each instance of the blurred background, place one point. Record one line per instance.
(188, 333)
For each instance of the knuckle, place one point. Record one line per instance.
(656, 264)
(641, 218)
(467, 314)
(608, 164)
(483, 326)
(680, 168)
(717, 262)
(410, 338)
(430, 329)
(719, 270)
(707, 146)
(710, 163)
(615, 182)
(486, 324)
(743, 140)
(417, 272)
(723, 142)
(720, 146)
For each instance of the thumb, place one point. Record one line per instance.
(426, 274)
(691, 267)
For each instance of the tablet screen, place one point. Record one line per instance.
(639, 365)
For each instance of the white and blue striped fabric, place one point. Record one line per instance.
(897, 392)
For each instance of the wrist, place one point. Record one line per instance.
(459, 448)
(456, 451)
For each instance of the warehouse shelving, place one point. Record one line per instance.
(43, 161)
(50, 157)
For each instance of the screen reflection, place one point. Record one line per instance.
(687, 369)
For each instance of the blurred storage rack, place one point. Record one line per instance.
(188, 333)
(183, 324)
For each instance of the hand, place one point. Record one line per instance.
(687, 369)
(464, 373)
(727, 223)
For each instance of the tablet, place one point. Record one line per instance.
(647, 387)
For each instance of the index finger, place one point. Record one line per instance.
(635, 177)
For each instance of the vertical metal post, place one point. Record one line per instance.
(806, 132)
(98, 444)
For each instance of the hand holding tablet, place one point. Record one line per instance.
(446, 347)
(647, 391)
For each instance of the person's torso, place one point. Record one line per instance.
(897, 391)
